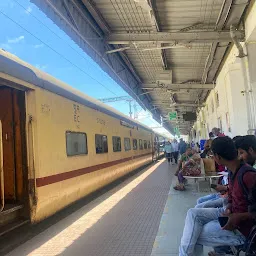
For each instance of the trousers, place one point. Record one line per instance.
(203, 229)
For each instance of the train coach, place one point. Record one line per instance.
(58, 145)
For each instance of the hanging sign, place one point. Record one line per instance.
(172, 115)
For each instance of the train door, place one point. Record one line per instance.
(12, 156)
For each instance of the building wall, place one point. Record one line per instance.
(231, 104)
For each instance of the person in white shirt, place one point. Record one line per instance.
(175, 146)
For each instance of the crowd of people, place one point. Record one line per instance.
(234, 203)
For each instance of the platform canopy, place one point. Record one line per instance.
(165, 53)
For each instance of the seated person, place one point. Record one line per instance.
(217, 199)
(207, 149)
(213, 200)
(246, 147)
(189, 165)
(202, 226)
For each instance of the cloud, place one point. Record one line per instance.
(42, 67)
(28, 10)
(15, 40)
(38, 46)
(5, 46)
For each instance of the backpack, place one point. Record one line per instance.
(244, 169)
(249, 246)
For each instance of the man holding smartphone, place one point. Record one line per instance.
(202, 226)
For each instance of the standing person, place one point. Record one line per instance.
(175, 146)
(211, 136)
(168, 149)
(207, 149)
(216, 132)
(182, 147)
(197, 148)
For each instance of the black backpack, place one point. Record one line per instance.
(244, 169)
(249, 246)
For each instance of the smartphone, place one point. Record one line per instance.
(213, 186)
(223, 221)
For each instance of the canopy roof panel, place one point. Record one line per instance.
(171, 50)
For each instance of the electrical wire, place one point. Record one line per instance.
(5, 15)
(61, 38)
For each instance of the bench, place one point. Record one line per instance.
(208, 172)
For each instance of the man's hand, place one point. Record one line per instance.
(233, 222)
(227, 211)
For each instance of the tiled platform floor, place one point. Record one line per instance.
(171, 225)
(124, 221)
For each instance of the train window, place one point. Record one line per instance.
(140, 144)
(127, 144)
(101, 143)
(116, 144)
(145, 144)
(76, 143)
(135, 144)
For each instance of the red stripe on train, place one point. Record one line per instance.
(40, 182)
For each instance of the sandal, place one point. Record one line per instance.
(179, 188)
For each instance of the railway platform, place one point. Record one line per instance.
(141, 216)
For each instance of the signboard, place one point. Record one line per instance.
(177, 131)
(123, 123)
(172, 115)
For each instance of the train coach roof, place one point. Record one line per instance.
(15, 67)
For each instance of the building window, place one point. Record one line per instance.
(101, 143)
(135, 144)
(220, 123)
(217, 99)
(140, 144)
(149, 144)
(76, 143)
(116, 144)
(145, 144)
(127, 144)
(212, 106)
(228, 122)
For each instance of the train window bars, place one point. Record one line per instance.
(140, 144)
(116, 144)
(101, 144)
(145, 144)
(127, 144)
(76, 143)
(135, 144)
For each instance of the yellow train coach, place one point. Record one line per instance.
(58, 145)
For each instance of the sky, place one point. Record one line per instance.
(29, 34)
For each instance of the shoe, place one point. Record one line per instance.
(179, 188)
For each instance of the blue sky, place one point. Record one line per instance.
(39, 49)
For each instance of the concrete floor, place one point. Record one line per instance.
(143, 216)
(171, 225)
